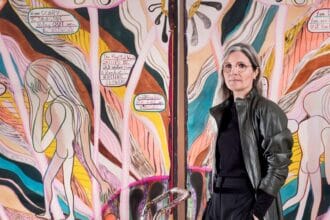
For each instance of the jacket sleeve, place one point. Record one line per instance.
(276, 144)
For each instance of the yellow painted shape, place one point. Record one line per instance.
(119, 91)
(291, 35)
(269, 65)
(290, 38)
(324, 49)
(295, 159)
(82, 40)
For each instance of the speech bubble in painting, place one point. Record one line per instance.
(52, 21)
(319, 21)
(115, 68)
(2, 89)
(149, 102)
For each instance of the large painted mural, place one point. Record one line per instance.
(86, 101)
(85, 108)
(292, 39)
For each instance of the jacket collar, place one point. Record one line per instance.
(253, 92)
(215, 110)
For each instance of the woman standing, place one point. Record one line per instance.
(253, 146)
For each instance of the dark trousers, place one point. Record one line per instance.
(232, 199)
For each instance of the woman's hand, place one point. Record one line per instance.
(37, 92)
(255, 217)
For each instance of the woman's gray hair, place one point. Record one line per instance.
(253, 57)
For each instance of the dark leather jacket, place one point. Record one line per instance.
(266, 144)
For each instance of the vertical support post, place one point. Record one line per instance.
(180, 102)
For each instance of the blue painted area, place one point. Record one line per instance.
(287, 192)
(2, 67)
(4, 71)
(234, 18)
(260, 38)
(29, 183)
(16, 70)
(198, 110)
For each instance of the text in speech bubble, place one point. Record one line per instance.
(115, 68)
(319, 22)
(149, 102)
(52, 21)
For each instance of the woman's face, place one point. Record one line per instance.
(239, 74)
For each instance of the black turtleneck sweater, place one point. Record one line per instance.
(229, 156)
